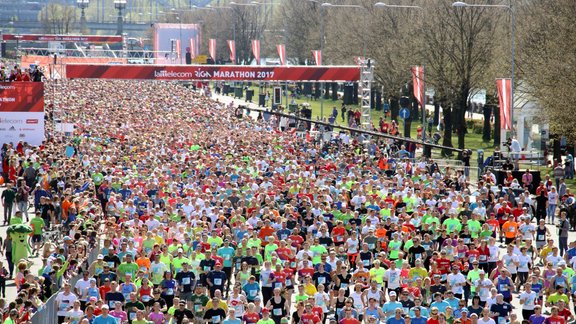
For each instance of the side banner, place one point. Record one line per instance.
(62, 38)
(214, 72)
(21, 112)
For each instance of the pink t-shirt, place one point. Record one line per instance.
(157, 318)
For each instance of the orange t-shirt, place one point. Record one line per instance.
(65, 207)
(510, 229)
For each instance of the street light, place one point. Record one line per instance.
(82, 4)
(461, 4)
(384, 5)
(120, 5)
(330, 5)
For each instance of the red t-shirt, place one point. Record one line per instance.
(251, 318)
(309, 319)
(443, 265)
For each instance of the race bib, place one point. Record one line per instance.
(253, 293)
(145, 298)
(132, 316)
(217, 281)
(288, 282)
(216, 319)
(321, 280)
(371, 246)
(170, 291)
(277, 311)
(503, 287)
(541, 237)
(186, 281)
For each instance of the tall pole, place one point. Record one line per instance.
(322, 12)
(512, 63)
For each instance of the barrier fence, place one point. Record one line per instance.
(48, 312)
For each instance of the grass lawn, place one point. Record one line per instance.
(473, 141)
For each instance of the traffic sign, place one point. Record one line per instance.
(404, 113)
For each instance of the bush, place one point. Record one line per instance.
(475, 126)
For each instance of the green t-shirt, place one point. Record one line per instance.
(16, 220)
(215, 241)
(37, 224)
(124, 268)
(473, 275)
(318, 250)
(474, 227)
(98, 178)
(452, 225)
(198, 302)
(226, 253)
(263, 321)
(177, 263)
(394, 248)
(268, 249)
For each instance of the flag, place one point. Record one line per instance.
(178, 49)
(256, 50)
(192, 48)
(232, 47)
(504, 87)
(317, 57)
(418, 84)
(281, 53)
(212, 48)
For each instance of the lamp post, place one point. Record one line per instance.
(461, 4)
(382, 5)
(82, 4)
(209, 7)
(120, 5)
(330, 5)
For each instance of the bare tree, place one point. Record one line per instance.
(547, 59)
(458, 47)
(57, 18)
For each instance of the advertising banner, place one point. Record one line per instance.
(62, 38)
(21, 112)
(214, 72)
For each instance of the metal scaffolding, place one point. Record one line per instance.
(366, 78)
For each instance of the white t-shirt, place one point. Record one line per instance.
(81, 286)
(524, 260)
(529, 300)
(64, 302)
(393, 278)
(454, 280)
(488, 321)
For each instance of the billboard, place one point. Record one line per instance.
(21, 112)
(214, 72)
(164, 37)
(62, 38)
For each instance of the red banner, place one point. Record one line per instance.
(213, 72)
(256, 50)
(178, 49)
(282, 53)
(62, 38)
(504, 87)
(232, 47)
(212, 48)
(21, 97)
(418, 84)
(317, 57)
(192, 48)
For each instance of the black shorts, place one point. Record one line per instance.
(36, 238)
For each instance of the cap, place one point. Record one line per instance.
(218, 264)
(392, 293)
(180, 250)
(464, 310)
(100, 257)
(105, 306)
(265, 311)
(67, 238)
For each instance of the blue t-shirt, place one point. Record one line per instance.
(232, 321)
(389, 308)
(440, 305)
(251, 290)
(393, 320)
(227, 253)
(537, 319)
(419, 320)
(105, 320)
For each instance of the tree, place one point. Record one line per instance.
(57, 18)
(547, 59)
(458, 46)
(301, 21)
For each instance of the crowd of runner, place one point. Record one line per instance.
(199, 216)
